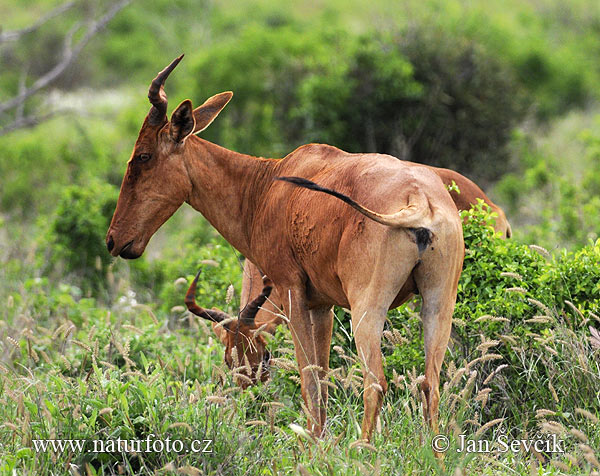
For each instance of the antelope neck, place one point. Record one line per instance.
(227, 188)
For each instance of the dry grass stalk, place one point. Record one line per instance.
(235, 358)
(458, 323)
(32, 353)
(221, 375)
(135, 373)
(362, 444)
(469, 385)
(300, 431)
(335, 373)
(587, 414)
(551, 388)
(494, 373)
(560, 465)
(216, 399)
(46, 357)
(397, 379)
(82, 345)
(486, 345)
(588, 454)
(239, 376)
(541, 250)
(483, 358)
(259, 371)
(230, 293)
(487, 426)
(133, 329)
(516, 289)
(313, 368)
(273, 405)
(58, 331)
(542, 413)
(247, 365)
(457, 375)
(539, 320)
(108, 364)
(256, 423)
(509, 274)
(66, 363)
(551, 350)
(508, 339)
(540, 305)
(284, 364)
(580, 435)
(13, 342)
(577, 311)
(553, 427)
(482, 396)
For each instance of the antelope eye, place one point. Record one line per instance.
(144, 157)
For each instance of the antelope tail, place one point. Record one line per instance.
(412, 216)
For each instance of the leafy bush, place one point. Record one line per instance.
(554, 202)
(74, 242)
(264, 68)
(428, 97)
(424, 95)
(36, 166)
(528, 311)
(219, 264)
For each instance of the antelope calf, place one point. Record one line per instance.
(362, 231)
(245, 348)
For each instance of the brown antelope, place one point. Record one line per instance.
(240, 337)
(317, 250)
(268, 316)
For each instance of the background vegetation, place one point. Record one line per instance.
(91, 347)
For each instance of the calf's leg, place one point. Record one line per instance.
(311, 333)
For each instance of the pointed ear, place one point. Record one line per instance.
(211, 108)
(182, 121)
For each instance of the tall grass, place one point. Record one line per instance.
(74, 368)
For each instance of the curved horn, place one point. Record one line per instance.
(249, 313)
(213, 315)
(157, 95)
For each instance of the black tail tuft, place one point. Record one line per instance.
(423, 236)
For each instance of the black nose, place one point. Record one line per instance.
(110, 244)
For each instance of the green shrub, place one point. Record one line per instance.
(529, 311)
(425, 96)
(553, 201)
(220, 268)
(74, 242)
(264, 68)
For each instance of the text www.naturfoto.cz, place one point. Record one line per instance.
(119, 445)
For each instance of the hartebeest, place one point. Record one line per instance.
(317, 250)
(246, 348)
(249, 342)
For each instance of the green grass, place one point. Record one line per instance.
(83, 368)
